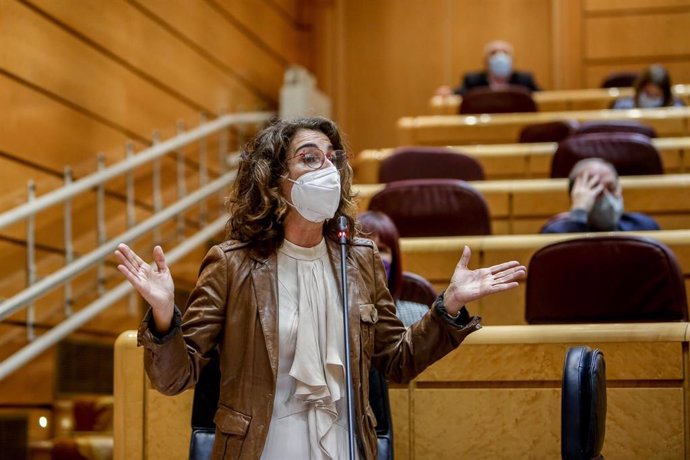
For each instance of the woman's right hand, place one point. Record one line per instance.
(155, 286)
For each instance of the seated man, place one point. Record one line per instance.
(597, 202)
(498, 73)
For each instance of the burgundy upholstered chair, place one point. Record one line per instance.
(605, 279)
(486, 100)
(615, 126)
(552, 131)
(418, 289)
(630, 153)
(433, 207)
(429, 163)
(619, 80)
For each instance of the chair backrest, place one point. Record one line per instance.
(204, 405)
(583, 404)
(429, 163)
(619, 80)
(631, 154)
(603, 279)
(433, 207)
(418, 289)
(614, 126)
(380, 405)
(552, 131)
(507, 100)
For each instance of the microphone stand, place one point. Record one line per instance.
(342, 238)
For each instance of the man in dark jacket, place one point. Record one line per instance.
(596, 200)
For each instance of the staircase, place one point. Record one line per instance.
(62, 298)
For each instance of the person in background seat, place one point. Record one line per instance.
(596, 198)
(652, 90)
(497, 74)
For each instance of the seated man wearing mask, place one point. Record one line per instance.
(597, 202)
(498, 73)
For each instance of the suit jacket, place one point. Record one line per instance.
(479, 79)
(234, 305)
(574, 223)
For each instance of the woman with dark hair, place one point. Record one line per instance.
(382, 231)
(268, 299)
(652, 90)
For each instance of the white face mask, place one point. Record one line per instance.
(501, 64)
(606, 212)
(648, 102)
(316, 194)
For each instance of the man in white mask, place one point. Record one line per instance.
(596, 198)
(498, 72)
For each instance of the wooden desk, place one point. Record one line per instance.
(523, 206)
(435, 259)
(498, 394)
(505, 128)
(559, 100)
(521, 161)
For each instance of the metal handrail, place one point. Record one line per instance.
(66, 327)
(93, 180)
(95, 258)
(67, 272)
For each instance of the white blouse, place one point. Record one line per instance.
(309, 411)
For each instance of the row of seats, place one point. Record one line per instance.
(631, 153)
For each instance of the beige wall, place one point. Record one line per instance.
(382, 60)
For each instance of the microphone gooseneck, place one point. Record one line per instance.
(342, 238)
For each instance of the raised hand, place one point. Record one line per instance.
(155, 285)
(467, 285)
(585, 191)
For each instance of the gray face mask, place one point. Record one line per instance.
(606, 212)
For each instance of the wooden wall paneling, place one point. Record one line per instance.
(135, 39)
(30, 384)
(630, 5)
(277, 31)
(524, 23)
(394, 57)
(60, 135)
(568, 40)
(37, 50)
(663, 35)
(221, 41)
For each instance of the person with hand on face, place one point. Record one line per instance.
(268, 300)
(498, 73)
(596, 199)
(653, 90)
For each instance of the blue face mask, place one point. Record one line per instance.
(387, 267)
(501, 65)
(648, 102)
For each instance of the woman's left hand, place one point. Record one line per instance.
(467, 285)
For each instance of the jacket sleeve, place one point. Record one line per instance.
(173, 362)
(402, 353)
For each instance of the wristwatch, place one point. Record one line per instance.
(460, 319)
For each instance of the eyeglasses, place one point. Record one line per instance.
(314, 158)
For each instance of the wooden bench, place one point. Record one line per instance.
(521, 161)
(498, 394)
(435, 259)
(559, 100)
(505, 128)
(523, 206)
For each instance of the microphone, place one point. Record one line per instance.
(342, 229)
(342, 237)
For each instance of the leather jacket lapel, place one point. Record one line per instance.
(265, 281)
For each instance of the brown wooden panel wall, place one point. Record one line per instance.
(387, 65)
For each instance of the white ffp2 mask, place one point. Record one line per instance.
(316, 194)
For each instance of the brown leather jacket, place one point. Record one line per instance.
(234, 305)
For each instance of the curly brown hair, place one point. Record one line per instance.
(256, 206)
